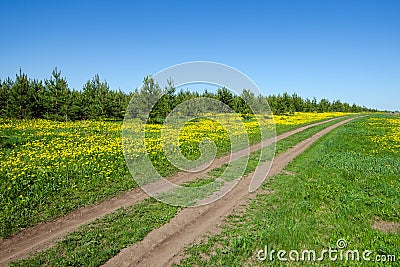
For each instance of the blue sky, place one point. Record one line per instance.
(347, 50)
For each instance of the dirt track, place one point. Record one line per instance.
(43, 235)
(163, 246)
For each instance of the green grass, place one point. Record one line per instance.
(93, 244)
(338, 189)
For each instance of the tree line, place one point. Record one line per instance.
(52, 98)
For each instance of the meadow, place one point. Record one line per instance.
(96, 242)
(50, 168)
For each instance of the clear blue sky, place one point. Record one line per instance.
(347, 50)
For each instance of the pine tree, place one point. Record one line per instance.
(21, 97)
(57, 95)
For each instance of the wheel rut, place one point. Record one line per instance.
(164, 246)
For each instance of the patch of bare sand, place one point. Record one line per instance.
(386, 227)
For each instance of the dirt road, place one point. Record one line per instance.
(43, 235)
(162, 246)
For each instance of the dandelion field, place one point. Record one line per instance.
(50, 168)
(338, 188)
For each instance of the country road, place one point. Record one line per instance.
(44, 235)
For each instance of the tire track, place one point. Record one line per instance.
(162, 246)
(43, 235)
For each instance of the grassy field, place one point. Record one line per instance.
(93, 244)
(345, 187)
(51, 168)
